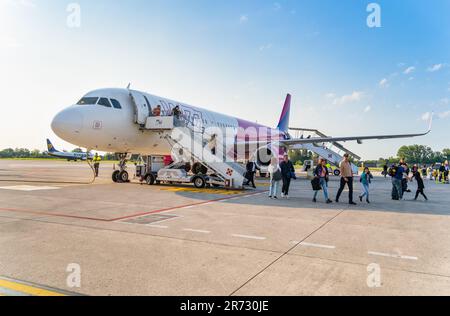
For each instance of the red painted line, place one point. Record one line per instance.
(182, 206)
(124, 217)
(52, 214)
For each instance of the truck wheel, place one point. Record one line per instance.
(337, 173)
(115, 176)
(123, 176)
(150, 179)
(199, 182)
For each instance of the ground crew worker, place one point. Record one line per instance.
(97, 160)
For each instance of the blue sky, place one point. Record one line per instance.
(235, 57)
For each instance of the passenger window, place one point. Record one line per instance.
(116, 104)
(88, 100)
(104, 102)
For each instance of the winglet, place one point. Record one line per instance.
(283, 124)
(430, 126)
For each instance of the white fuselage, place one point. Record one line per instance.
(111, 129)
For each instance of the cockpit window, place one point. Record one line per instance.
(88, 100)
(104, 102)
(116, 104)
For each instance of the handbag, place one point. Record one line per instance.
(277, 176)
(316, 184)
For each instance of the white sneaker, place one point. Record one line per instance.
(282, 195)
(287, 197)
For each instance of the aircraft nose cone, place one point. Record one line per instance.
(67, 123)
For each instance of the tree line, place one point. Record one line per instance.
(23, 153)
(413, 154)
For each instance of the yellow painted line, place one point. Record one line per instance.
(27, 289)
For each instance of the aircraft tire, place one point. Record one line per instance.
(115, 176)
(123, 176)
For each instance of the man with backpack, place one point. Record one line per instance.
(396, 172)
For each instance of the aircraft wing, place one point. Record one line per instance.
(359, 139)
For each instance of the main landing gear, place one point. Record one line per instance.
(121, 175)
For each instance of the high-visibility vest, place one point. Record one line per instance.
(97, 159)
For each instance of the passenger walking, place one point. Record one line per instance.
(346, 179)
(446, 172)
(385, 170)
(397, 177)
(250, 174)
(287, 172)
(321, 173)
(442, 173)
(420, 186)
(275, 178)
(366, 178)
(97, 159)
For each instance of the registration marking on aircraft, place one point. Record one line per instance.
(28, 188)
(249, 237)
(312, 245)
(396, 256)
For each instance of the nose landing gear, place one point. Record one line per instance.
(121, 175)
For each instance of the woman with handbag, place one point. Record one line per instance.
(288, 173)
(275, 178)
(321, 177)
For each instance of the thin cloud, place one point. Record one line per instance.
(435, 68)
(265, 47)
(277, 6)
(444, 115)
(345, 99)
(243, 19)
(409, 70)
(384, 83)
(368, 109)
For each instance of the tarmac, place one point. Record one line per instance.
(60, 235)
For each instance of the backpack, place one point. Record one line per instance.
(393, 171)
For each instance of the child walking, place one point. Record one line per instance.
(365, 183)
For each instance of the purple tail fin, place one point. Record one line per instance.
(283, 125)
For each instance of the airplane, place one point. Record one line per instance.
(69, 156)
(114, 120)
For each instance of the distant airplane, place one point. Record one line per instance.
(69, 156)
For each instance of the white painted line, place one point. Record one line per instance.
(28, 188)
(197, 231)
(157, 226)
(373, 253)
(249, 237)
(307, 244)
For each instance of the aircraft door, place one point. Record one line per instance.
(141, 107)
